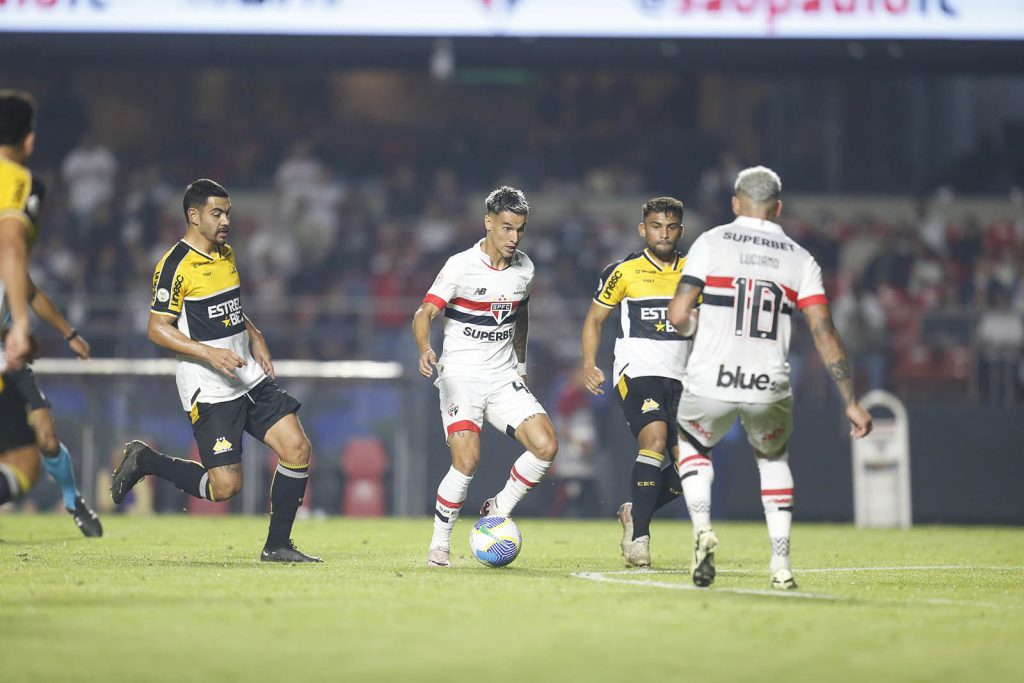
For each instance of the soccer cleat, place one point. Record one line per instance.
(638, 552)
(86, 519)
(127, 474)
(286, 553)
(439, 557)
(783, 580)
(704, 557)
(487, 509)
(625, 514)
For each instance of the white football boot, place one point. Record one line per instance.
(782, 579)
(638, 552)
(439, 557)
(625, 514)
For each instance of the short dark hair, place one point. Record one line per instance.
(17, 116)
(199, 191)
(663, 205)
(507, 198)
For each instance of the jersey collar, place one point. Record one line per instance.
(514, 261)
(647, 255)
(202, 253)
(758, 224)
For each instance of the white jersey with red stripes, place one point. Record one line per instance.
(480, 306)
(753, 277)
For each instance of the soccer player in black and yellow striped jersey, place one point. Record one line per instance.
(225, 377)
(26, 423)
(650, 360)
(17, 224)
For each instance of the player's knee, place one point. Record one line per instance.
(297, 450)
(546, 447)
(225, 483)
(225, 490)
(466, 463)
(48, 442)
(654, 443)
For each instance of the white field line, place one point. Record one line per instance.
(828, 570)
(603, 578)
(611, 577)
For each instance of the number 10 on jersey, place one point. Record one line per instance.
(757, 308)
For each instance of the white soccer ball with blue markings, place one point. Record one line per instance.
(495, 541)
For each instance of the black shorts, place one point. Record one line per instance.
(650, 399)
(218, 427)
(24, 381)
(15, 431)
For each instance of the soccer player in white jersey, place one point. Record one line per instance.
(484, 293)
(752, 276)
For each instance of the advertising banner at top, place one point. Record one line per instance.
(769, 19)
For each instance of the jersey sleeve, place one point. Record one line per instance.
(15, 185)
(170, 286)
(444, 287)
(697, 263)
(611, 287)
(811, 290)
(528, 288)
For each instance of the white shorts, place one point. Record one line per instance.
(707, 420)
(467, 401)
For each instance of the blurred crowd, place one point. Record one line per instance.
(341, 229)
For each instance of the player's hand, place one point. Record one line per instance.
(261, 354)
(428, 359)
(593, 378)
(860, 421)
(17, 347)
(80, 347)
(224, 361)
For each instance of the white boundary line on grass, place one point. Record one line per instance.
(602, 577)
(827, 570)
(610, 577)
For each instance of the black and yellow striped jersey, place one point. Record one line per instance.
(203, 292)
(646, 344)
(21, 196)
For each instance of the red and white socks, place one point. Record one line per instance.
(527, 471)
(451, 494)
(777, 499)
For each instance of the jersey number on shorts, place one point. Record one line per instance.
(760, 320)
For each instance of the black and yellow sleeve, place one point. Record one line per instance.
(170, 282)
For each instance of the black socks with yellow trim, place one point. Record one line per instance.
(286, 493)
(187, 475)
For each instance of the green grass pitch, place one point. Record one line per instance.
(184, 599)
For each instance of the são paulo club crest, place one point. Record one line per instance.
(501, 310)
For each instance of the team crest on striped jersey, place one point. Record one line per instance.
(501, 310)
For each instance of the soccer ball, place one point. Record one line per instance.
(495, 541)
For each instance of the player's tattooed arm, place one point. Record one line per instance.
(682, 311)
(522, 331)
(833, 354)
(830, 348)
